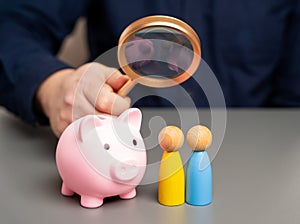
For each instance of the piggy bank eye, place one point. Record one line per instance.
(134, 142)
(106, 146)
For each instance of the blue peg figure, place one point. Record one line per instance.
(199, 173)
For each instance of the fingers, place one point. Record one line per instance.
(111, 76)
(110, 102)
(119, 104)
(95, 91)
(117, 80)
(87, 90)
(99, 85)
(82, 106)
(95, 75)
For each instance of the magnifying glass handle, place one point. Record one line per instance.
(125, 89)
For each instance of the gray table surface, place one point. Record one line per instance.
(256, 174)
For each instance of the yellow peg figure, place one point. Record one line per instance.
(171, 190)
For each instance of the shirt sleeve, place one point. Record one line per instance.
(31, 33)
(287, 82)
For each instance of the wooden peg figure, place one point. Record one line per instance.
(171, 190)
(199, 172)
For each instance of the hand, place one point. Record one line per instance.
(70, 94)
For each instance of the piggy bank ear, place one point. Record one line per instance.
(133, 116)
(87, 124)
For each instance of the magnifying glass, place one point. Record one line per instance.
(158, 51)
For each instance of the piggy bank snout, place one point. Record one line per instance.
(125, 170)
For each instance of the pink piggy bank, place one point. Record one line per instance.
(99, 156)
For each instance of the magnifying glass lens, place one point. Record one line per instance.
(159, 52)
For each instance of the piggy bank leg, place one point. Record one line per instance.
(66, 191)
(129, 195)
(90, 202)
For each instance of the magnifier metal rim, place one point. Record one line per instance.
(165, 22)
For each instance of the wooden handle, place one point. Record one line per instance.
(126, 88)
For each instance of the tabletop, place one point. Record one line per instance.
(255, 163)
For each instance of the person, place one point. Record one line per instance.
(252, 47)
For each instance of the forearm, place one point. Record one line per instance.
(19, 80)
(30, 35)
(287, 82)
